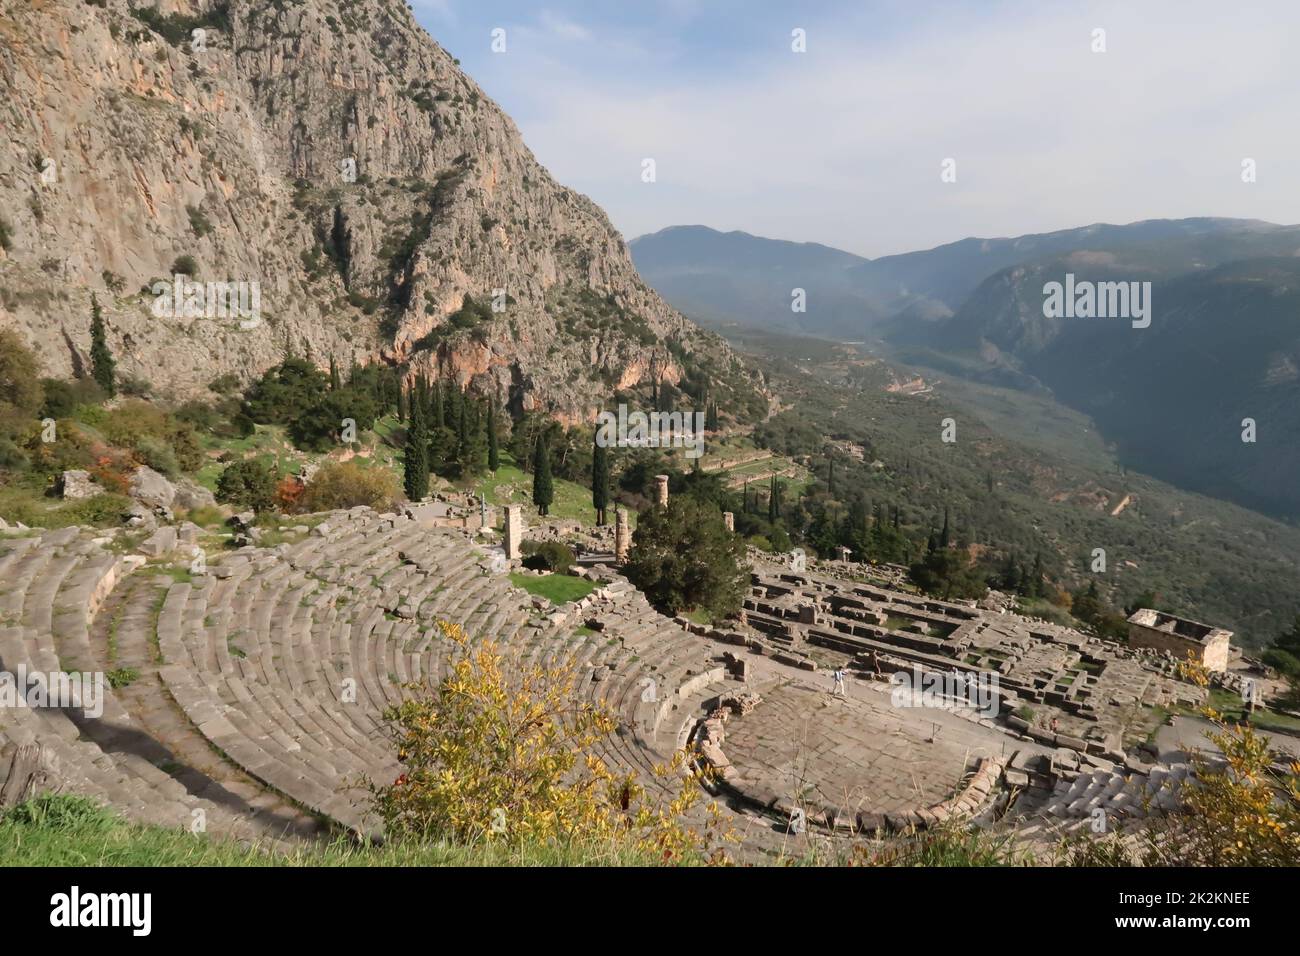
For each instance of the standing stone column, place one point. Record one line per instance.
(729, 521)
(514, 530)
(661, 490)
(622, 538)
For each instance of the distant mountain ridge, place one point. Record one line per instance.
(736, 277)
(1224, 344)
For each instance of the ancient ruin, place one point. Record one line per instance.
(514, 531)
(813, 705)
(622, 535)
(1206, 645)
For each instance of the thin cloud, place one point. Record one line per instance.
(843, 144)
(559, 26)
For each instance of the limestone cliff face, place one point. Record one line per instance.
(330, 152)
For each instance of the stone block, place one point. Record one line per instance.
(514, 531)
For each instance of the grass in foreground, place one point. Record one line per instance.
(67, 830)
(70, 830)
(24, 501)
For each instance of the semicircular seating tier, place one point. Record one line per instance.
(282, 661)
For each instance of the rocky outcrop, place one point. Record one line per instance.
(332, 154)
(151, 488)
(75, 485)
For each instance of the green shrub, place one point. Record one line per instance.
(151, 433)
(157, 454)
(101, 511)
(247, 484)
(348, 485)
(285, 392)
(121, 677)
(206, 516)
(947, 573)
(62, 398)
(177, 28)
(201, 415)
(134, 387)
(226, 384)
(12, 458)
(319, 427)
(683, 558)
(75, 449)
(198, 221)
(20, 383)
(548, 556)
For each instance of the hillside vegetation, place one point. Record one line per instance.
(1024, 478)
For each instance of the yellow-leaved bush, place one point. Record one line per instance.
(499, 751)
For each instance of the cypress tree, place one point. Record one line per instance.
(543, 492)
(439, 416)
(1010, 577)
(452, 405)
(334, 375)
(415, 469)
(420, 395)
(494, 453)
(438, 451)
(830, 477)
(391, 390)
(462, 455)
(599, 481)
(476, 448)
(103, 367)
(945, 536)
(774, 502)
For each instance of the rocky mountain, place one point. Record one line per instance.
(333, 159)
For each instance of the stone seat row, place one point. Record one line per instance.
(51, 586)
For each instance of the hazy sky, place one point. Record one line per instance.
(843, 144)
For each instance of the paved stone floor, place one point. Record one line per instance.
(857, 753)
(1190, 734)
